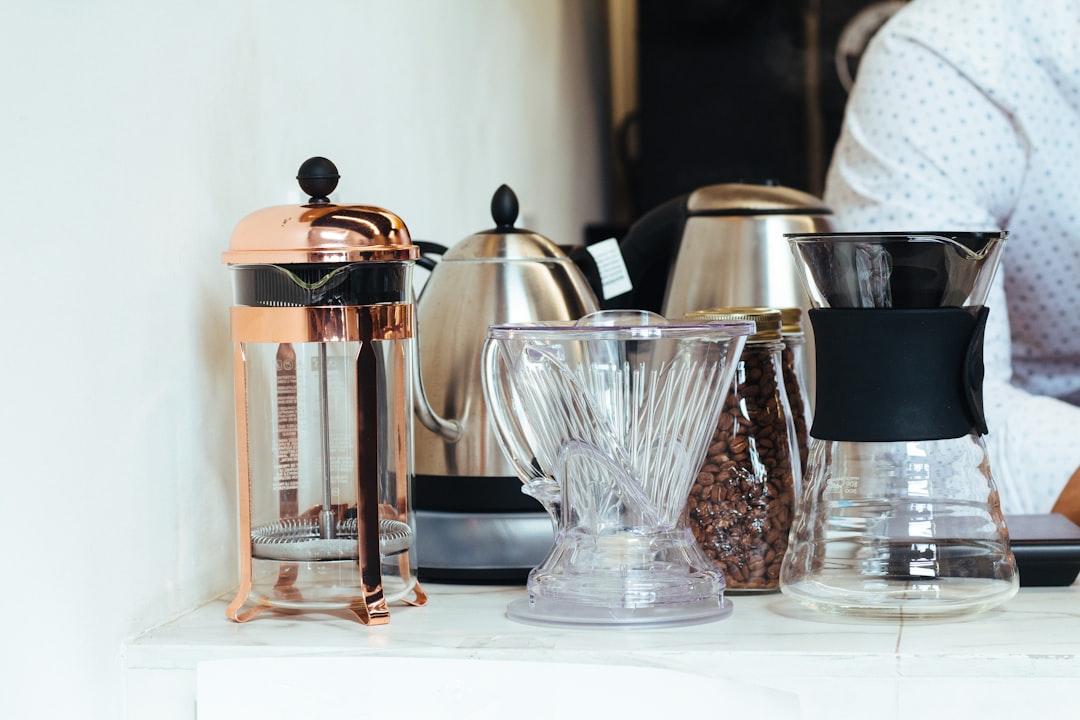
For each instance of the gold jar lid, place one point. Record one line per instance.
(791, 321)
(767, 320)
(319, 231)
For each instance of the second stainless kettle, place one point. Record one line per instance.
(720, 245)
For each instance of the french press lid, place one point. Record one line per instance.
(320, 253)
(319, 231)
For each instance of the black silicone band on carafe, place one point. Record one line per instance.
(886, 375)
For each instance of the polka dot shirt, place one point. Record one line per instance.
(965, 115)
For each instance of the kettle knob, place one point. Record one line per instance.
(318, 177)
(504, 208)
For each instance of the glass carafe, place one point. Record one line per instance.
(898, 514)
(606, 422)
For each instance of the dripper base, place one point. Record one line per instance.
(624, 578)
(542, 611)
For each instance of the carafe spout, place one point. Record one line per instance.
(448, 430)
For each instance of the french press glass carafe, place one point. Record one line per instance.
(322, 325)
(899, 514)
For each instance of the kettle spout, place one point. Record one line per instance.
(449, 430)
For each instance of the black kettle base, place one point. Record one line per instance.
(472, 576)
(478, 530)
(481, 548)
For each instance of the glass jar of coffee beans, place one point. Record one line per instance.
(741, 505)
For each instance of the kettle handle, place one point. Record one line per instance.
(649, 249)
(427, 249)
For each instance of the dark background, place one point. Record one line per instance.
(735, 90)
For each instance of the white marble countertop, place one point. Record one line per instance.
(1019, 660)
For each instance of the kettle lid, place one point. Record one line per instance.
(319, 231)
(504, 241)
(742, 198)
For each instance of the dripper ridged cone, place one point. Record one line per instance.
(607, 421)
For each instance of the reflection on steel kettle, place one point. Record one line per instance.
(473, 522)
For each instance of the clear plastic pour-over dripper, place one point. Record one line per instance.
(899, 514)
(606, 421)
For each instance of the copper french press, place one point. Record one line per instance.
(322, 325)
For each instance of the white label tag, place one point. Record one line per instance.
(614, 279)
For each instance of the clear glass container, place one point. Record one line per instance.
(606, 422)
(742, 502)
(899, 515)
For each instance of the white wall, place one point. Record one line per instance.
(133, 136)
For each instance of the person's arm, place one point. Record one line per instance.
(925, 148)
(1068, 502)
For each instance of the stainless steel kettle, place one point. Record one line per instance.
(733, 247)
(473, 522)
(720, 245)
